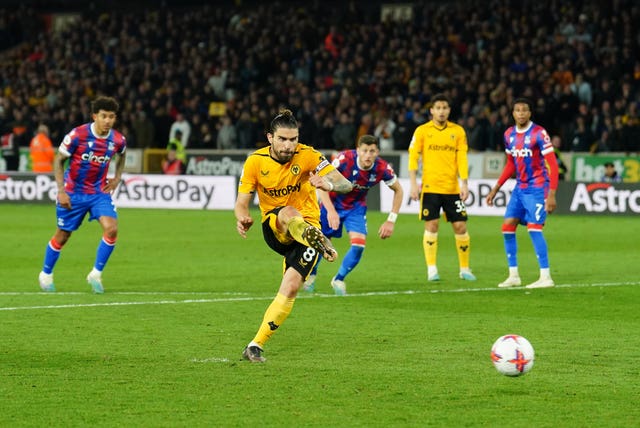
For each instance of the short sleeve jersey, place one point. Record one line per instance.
(443, 152)
(362, 179)
(281, 184)
(89, 158)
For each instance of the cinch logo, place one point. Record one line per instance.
(357, 186)
(91, 157)
(520, 153)
(282, 192)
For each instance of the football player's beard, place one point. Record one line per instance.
(284, 156)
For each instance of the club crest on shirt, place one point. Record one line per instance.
(295, 169)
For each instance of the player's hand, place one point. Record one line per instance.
(334, 220)
(64, 200)
(112, 184)
(243, 224)
(319, 182)
(464, 192)
(414, 193)
(550, 203)
(386, 230)
(490, 197)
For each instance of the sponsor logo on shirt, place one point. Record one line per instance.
(91, 157)
(520, 153)
(282, 192)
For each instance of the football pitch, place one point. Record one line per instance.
(184, 294)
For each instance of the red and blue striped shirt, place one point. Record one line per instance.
(362, 179)
(89, 158)
(527, 150)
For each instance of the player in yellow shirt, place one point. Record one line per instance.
(441, 147)
(285, 176)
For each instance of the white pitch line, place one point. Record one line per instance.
(210, 360)
(300, 296)
(124, 293)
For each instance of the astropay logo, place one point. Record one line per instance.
(29, 188)
(176, 191)
(604, 197)
(180, 191)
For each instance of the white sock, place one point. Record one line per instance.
(432, 270)
(513, 272)
(545, 273)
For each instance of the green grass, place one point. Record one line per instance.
(184, 295)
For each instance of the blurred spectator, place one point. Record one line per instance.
(474, 135)
(610, 174)
(208, 139)
(41, 150)
(10, 152)
(403, 132)
(602, 144)
(581, 138)
(246, 131)
(631, 129)
(227, 137)
(333, 42)
(562, 167)
(180, 124)
(494, 132)
(161, 124)
(366, 126)
(175, 144)
(582, 89)
(325, 139)
(203, 133)
(384, 131)
(171, 165)
(344, 133)
(567, 110)
(143, 129)
(307, 124)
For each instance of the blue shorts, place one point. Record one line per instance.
(354, 220)
(97, 205)
(527, 205)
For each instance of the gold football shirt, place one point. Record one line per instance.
(443, 152)
(280, 184)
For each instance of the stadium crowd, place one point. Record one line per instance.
(343, 71)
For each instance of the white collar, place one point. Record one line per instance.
(94, 131)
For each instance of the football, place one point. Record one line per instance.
(512, 355)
